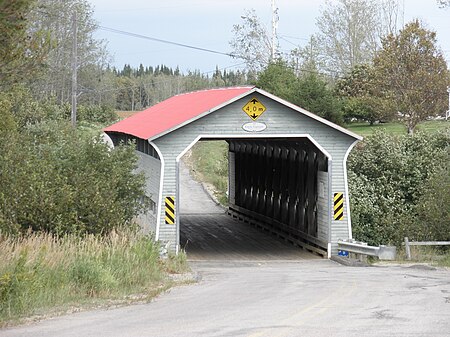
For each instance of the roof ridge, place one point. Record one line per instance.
(214, 89)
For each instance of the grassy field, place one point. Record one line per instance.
(365, 129)
(42, 275)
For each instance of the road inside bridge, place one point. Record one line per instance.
(256, 293)
(207, 233)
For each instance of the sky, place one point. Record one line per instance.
(209, 23)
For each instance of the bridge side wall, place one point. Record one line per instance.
(151, 168)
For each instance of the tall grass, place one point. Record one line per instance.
(434, 255)
(42, 271)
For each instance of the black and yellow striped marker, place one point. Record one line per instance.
(338, 206)
(170, 210)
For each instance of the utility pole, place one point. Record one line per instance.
(275, 19)
(74, 69)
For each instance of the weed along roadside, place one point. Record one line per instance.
(42, 275)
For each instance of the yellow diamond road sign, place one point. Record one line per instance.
(254, 108)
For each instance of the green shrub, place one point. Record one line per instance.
(391, 179)
(59, 180)
(96, 114)
(22, 106)
(433, 210)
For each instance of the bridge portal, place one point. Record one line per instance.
(287, 166)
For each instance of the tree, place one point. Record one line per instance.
(360, 95)
(55, 18)
(389, 15)
(21, 51)
(443, 3)
(308, 91)
(61, 180)
(251, 42)
(314, 94)
(350, 31)
(307, 58)
(279, 79)
(412, 73)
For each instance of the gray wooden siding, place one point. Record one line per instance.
(280, 120)
(151, 167)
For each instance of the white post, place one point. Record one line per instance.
(407, 249)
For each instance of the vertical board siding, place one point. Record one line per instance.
(322, 205)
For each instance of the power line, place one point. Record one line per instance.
(113, 30)
(236, 56)
(292, 43)
(151, 38)
(145, 37)
(294, 37)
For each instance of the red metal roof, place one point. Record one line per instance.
(175, 111)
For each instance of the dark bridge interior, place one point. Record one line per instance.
(276, 184)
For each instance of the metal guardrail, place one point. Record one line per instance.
(382, 252)
(422, 243)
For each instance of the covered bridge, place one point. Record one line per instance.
(287, 166)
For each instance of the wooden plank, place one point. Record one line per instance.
(281, 234)
(276, 181)
(282, 228)
(293, 198)
(284, 184)
(269, 180)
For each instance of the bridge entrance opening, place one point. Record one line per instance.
(276, 199)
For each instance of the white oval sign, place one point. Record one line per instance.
(254, 127)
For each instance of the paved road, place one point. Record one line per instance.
(194, 199)
(276, 299)
(278, 292)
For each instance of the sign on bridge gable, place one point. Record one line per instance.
(254, 109)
